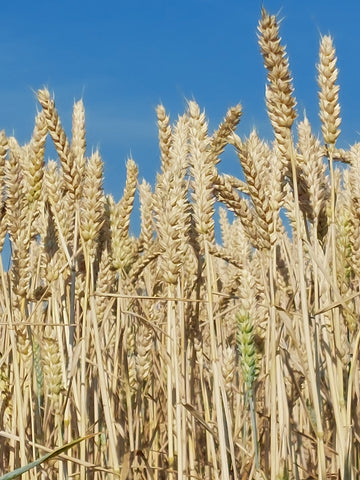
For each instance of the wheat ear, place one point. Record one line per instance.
(78, 143)
(329, 91)
(121, 243)
(61, 142)
(314, 189)
(171, 206)
(164, 136)
(92, 203)
(203, 172)
(35, 171)
(220, 137)
(225, 192)
(146, 214)
(279, 91)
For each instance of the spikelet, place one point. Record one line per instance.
(329, 92)
(279, 92)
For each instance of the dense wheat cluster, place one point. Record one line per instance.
(186, 357)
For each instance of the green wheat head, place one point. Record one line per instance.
(246, 347)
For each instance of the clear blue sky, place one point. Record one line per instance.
(124, 58)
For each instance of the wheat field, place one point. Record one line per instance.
(222, 342)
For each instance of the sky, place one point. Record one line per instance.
(124, 58)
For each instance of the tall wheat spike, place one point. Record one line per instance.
(279, 91)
